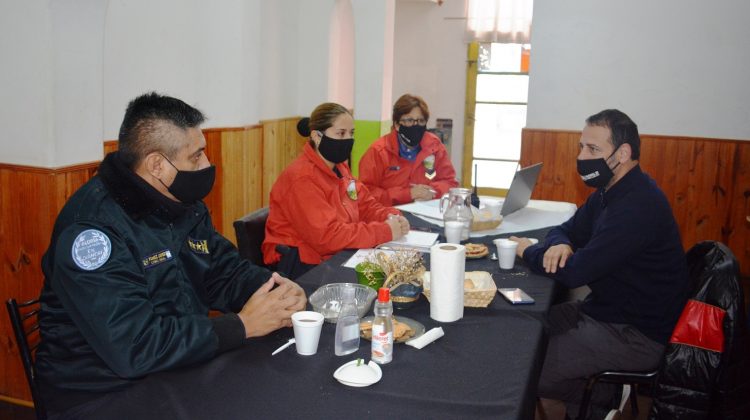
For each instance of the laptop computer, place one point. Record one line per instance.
(520, 189)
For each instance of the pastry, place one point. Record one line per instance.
(476, 250)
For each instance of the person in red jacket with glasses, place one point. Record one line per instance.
(317, 208)
(408, 163)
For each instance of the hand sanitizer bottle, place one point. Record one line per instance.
(347, 325)
(382, 328)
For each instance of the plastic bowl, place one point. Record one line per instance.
(327, 299)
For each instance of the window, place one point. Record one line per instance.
(496, 113)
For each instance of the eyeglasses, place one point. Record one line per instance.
(408, 122)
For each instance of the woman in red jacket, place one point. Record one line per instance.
(317, 208)
(409, 163)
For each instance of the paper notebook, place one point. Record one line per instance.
(415, 239)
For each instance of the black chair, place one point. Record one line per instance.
(699, 269)
(251, 231)
(24, 317)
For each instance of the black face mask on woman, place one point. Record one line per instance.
(412, 136)
(191, 186)
(596, 172)
(333, 150)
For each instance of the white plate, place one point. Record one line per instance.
(370, 377)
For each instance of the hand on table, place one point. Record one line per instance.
(268, 310)
(556, 256)
(523, 243)
(420, 192)
(399, 226)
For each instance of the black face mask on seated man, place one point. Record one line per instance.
(191, 186)
(596, 173)
(333, 150)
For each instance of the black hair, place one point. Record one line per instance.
(303, 127)
(623, 129)
(147, 124)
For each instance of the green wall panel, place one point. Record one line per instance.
(365, 133)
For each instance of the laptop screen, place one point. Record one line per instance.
(520, 189)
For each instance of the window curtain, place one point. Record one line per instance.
(506, 21)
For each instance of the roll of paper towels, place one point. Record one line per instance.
(447, 265)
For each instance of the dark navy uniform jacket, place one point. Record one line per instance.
(628, 251)
(130, 277)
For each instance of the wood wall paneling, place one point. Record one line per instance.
(30, 199)
(110, 146)
(242, 184)
(281, 145)
(707, 181)
(214, 198)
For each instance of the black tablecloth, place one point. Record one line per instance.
(486, 366)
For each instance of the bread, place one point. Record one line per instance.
(476, 250)
(401, 330)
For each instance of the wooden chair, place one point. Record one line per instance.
(24, 317)
(251, 231)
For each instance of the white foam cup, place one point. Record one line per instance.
(506, 252)
(307, 326)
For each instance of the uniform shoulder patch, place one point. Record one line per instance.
(91, 249)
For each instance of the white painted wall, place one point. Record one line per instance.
(430, 61)
(311, 48)
(73, 67)
(194, 50)
(77, 30)
(341, 55)
(373, 58)
(26, 111)
(677, 67)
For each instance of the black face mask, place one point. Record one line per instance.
(191, 186)
(412, 136)
(596, 173)
(335, 151)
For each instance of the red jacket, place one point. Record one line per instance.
(311, 209)
(389, 176)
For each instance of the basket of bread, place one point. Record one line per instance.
(479, 288)
(484, 219)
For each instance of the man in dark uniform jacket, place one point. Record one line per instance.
(135, 264)
(624, 244)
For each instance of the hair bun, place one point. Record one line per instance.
(303, 127)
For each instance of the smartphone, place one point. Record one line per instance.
(516, 296)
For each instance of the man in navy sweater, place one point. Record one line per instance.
(624, 244)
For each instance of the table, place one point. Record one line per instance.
(486, 366)
(537, 214)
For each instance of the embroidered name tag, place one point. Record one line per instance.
(155, 259)
(199, 246)
(91, 249)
